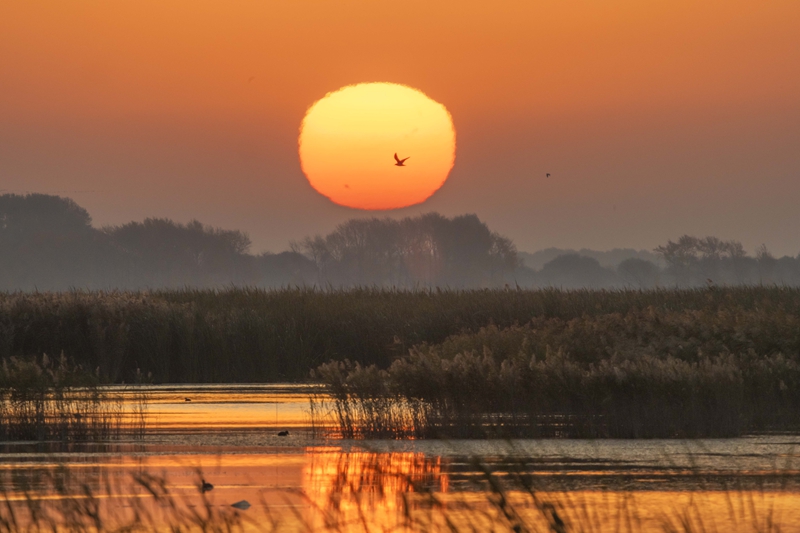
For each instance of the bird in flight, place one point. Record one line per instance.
(400, 162)
(548, 175)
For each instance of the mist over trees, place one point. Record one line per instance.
(162, 253)
(429, 250)
(49, 243)
(608, 259)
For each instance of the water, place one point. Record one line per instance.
(228, 435)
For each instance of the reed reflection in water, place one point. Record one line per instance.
(358, 488)
(406, 491)
(352, 490)
(204, 408)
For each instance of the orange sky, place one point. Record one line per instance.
(655, 118)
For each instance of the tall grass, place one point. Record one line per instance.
(56, 400)
(249, 335)
(644, 373)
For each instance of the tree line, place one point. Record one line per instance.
(49, 243)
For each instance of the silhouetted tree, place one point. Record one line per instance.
(425, 250)
(170, 254)
(573, 271)
(638, 273)
(695, 262)
(48, 243)
(692, 261)
(286, 269)
(767, 266)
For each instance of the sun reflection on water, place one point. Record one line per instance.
(344, 485)
(229, 436)
(336, 488)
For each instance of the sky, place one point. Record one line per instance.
(654, 119)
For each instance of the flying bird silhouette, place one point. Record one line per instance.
(400, 162)
(548, 175)
(206, 486)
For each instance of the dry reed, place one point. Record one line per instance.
(250, 335)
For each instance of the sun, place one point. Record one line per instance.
(349, 138)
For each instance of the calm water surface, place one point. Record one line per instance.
(229, 436)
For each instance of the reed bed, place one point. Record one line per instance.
(653, 372)
(55, 400)
(250, 335)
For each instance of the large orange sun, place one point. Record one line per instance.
(348, 140)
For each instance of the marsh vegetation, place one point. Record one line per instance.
(676, 363)
(711, 367)
(44, 399)
(250, 335)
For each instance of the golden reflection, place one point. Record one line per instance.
(360, 490)
(349, 487)
(331, 489)
(205, 408)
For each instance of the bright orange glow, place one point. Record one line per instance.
(348, 140)
(191, 110)
(373, 486)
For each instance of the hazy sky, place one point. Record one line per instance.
(655, 118)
